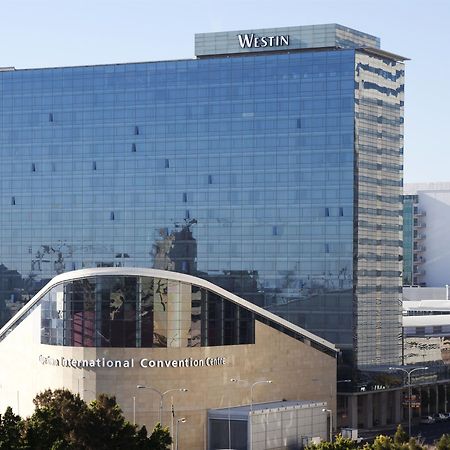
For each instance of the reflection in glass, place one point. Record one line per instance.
(124, 311)
(160, 313)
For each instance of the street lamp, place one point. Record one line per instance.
(78, 383)
(234, 380)
(331, 422)
(251, 390)
(181, 420)
(161, 396)
(409, 372)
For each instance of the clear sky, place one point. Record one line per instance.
(42, 33)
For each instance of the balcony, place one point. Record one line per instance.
(420, 225)
(418, 272)
(419, 259)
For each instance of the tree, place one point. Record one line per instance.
(10, 428)
(60, 419)
(340, 443)
(400, 436)
(108, 427)
(63, 420)
(381, 442)
(443, 443)
(414, 445)
(160, 438)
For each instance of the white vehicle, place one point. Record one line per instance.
(427, 420)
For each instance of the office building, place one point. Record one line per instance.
(426, 215)
(270, 165)
(168, 346)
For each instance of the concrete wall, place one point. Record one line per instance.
(424, 293)
(298, 371)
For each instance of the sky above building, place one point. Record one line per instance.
(48, 33)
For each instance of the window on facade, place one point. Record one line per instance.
(121, 311)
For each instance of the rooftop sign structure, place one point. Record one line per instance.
(286, 39)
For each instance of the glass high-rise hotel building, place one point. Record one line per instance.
(270, 165)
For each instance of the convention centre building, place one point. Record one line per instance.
(144, 333)
(269, 165)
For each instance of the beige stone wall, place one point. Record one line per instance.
(298, 372)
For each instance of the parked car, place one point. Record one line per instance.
(427, 420)
(437, 417)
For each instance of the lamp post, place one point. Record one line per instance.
(78, 383)
(161, 396)
(331, 422)
(181, 420)
(408, 373)
(235, 380)
(251, 391)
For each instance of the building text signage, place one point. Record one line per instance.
(145, 363)
(253, 41)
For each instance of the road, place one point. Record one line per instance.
(431, 432)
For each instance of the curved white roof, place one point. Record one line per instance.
(175, 276)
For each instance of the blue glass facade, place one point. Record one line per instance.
(240, 170)
(408, 239)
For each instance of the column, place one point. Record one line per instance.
(353, 410)
(429, 401)
(445, 398)
(398, 407)
(437, 398)
(419, 391)
(383, 402)
(368, 419)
